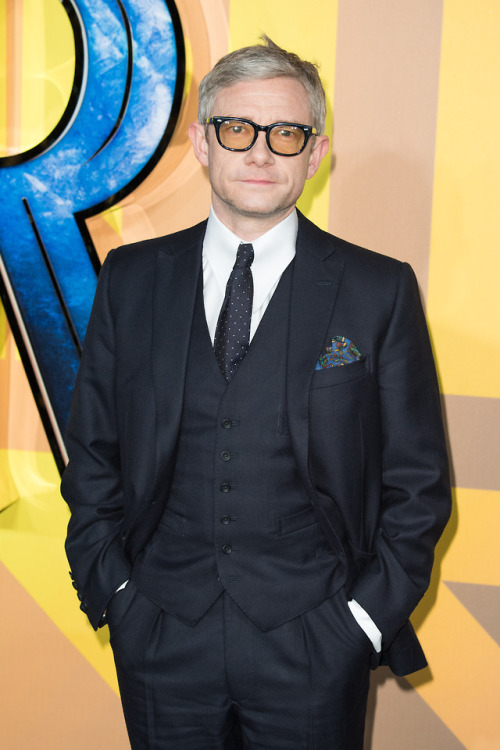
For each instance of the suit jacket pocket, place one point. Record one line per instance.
(330, 376)
(296, 521)
(173, 522)
(361, 557)
(120, 604)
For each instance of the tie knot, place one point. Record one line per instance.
(244, 256)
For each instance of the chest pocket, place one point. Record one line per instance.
(330, 376)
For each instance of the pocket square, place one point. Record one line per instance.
(341, 352)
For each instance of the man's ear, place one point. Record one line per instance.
(318, 151)
(197, 137)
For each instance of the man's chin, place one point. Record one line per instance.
(260, 210)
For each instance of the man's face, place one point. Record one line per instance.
(258, 184)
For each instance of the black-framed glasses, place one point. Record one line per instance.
(282, 138)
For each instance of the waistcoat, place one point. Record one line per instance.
(238, 518)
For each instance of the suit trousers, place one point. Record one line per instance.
(226, 685)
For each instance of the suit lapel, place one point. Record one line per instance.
(316, 281)
(176, 280)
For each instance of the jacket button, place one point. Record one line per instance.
(225, 520)
(225, 487)
(225, 455)
(227, 424)
(227, 549)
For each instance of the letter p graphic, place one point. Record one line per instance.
(126, 95)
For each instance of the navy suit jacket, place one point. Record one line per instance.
(367, 437)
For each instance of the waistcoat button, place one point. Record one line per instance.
(225, 487)
(225, 520)
(225, 455)
(227, 549)
(227, 424)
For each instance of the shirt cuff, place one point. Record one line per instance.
(366, 623)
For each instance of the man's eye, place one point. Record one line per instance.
(285, 133)
(235, 128)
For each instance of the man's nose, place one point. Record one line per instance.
(260, 153)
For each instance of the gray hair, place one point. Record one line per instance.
(258, 62)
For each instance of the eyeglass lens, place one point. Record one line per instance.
(284, 139)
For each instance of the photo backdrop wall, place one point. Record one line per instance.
(414, 113)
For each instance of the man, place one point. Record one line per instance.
(257, 473)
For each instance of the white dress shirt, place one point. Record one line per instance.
(273, 252)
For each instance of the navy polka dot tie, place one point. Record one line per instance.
(232, 336)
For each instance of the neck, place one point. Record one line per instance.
(249, 226)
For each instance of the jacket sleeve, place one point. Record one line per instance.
(91, 483)
(416, 499)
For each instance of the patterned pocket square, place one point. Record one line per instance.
(341, 352)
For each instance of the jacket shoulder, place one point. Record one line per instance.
(322, 242)
(368, 268)
(144, 252)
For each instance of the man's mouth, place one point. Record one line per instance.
(257, 181)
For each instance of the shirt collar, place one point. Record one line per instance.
(273, 251)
